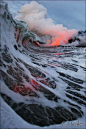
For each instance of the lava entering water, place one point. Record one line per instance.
(63, 38)
(35, 15)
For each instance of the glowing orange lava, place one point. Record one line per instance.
(35, 83)
(23, 90)
(63, 38)
(60, 40)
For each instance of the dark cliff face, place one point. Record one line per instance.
(24, 73)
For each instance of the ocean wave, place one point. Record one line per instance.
(44, 85)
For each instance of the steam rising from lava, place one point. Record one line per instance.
(35, 15)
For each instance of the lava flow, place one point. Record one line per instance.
(63, 38)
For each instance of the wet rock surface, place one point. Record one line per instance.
(42, 116)
(37, 113)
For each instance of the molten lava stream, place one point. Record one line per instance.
(62, 38)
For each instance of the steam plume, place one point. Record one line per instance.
(35, 15)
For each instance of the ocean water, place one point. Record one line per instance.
(41, 87)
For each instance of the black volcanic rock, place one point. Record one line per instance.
(43, 116)
(80, 37)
